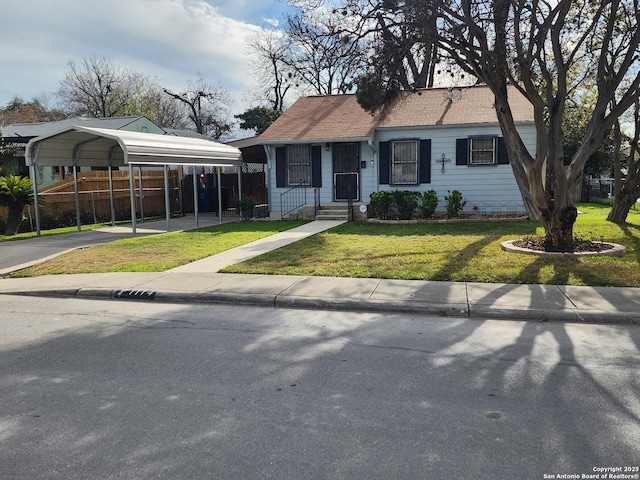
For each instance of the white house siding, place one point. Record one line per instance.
(367, 176)
(492, 188)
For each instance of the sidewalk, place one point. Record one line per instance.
(200, 282)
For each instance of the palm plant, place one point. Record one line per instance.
(15, 193)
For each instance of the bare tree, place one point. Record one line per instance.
(323, 56)
(151, 101)
(403, 37)
(95, 87)
(207, 106)
(270, 49)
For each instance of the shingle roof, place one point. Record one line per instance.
(340, 116)
(468, 105)
(321, 118)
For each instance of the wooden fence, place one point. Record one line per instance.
(93, 189)
(93, 186)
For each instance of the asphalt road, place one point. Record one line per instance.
(132, 390)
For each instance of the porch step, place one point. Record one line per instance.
(333, 212)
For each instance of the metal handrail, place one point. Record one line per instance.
(296, 196)
(316, 201)
(349, 204)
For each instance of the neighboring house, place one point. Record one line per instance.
(434, 139)
(19, 134)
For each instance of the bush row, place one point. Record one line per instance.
(408, 204)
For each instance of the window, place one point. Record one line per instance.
(298, 165)
(404, 162)
(482, 151)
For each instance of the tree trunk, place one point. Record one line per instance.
(14, 219)
(620, 209)
(558, 227)
(627, 191)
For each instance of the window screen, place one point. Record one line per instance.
(298, 165)
(482, 151)
(404, 165)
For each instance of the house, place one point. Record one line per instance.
(436, 139)
(19, 134)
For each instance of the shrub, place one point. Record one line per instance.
(406, 202)
(455, 204)
(245, 207)
(428, 203)
(380, 203)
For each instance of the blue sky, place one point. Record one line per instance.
(169, 40)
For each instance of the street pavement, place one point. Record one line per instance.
(201, 282)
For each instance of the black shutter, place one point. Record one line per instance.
(281, 167)
(503, 155)
(384, 160)
(462, 151)
(425, 161)
(316, 166)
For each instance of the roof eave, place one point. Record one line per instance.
(288, 141)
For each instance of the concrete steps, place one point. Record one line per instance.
(333, 212)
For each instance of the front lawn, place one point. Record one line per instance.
(456, 252)
(158, 253)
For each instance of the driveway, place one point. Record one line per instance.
(18, 254)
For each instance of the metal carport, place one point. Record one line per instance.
(97, 147)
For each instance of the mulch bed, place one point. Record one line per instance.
(579, 245)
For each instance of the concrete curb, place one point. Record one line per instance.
(342, 304)
(373, 306)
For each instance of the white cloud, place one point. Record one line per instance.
(170, 40)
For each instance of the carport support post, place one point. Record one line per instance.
(132, 192)
(141, 194)
(195, 196)
(167, 206)
(111, 201)
(36, 206)
(75, 187)
(219, 194)
(239, 184)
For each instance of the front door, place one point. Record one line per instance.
(346, 171)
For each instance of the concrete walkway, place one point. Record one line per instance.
(215, 263)
(200, 282)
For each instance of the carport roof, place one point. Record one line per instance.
(99, 147)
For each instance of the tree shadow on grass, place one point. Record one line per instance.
(632, 232)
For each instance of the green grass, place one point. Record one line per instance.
(158, 252)
(466, 251)
(457, 252)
